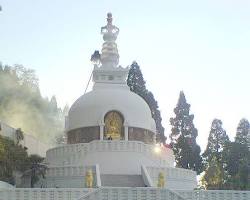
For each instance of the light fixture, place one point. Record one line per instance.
(157, 148)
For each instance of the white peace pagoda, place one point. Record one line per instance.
(111, 151)
(111, 135)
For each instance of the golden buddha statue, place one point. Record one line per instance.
(113, 126)
(161, 180)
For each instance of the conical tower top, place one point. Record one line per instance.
(109, 56)
(109, 72)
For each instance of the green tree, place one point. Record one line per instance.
(14, 158)
(243, 130)
(65, 110)
(236, 157)
(26, 76)
(1, 149)
(215, 168)
(137, 85)
(19, 135)
(1, 67)
(37, 169)
(136, 81)
(213, 178)
(217, 140)
(183, 137)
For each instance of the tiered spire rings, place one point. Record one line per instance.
(109, 56)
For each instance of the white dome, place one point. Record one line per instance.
(90, 108)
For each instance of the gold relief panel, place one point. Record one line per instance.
(113, 125)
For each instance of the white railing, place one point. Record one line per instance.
(171, 172)
(214, 194)
(145, 176)
(175, 178)
(116, 193)
(72, 153)
(93, 195)
(69, 171)
(42, 193)
(70, 176)
(98, 176)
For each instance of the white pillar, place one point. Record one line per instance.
(101, 131)
(126, 131)
(154, 138)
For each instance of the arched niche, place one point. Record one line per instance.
(113, 128)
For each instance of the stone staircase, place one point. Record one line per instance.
(129, 193)
(110, 180)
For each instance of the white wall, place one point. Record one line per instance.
(68, 177)
(34, 145)
(4, 185)
(113, 157)
(7, 131)
(175, 178)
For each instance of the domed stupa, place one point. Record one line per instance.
(111, 135)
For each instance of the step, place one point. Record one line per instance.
(120, 180)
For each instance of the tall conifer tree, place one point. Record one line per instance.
(214, 162)
(236, 157)
(137, 83)
(183, 137)
(236, 161)
(243, 130)
(217, 140)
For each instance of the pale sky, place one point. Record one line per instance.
(200, 47)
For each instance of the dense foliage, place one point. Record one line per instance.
(242, 132)
(217, 140)
(227, 163)
(14, 158)
(36, 170)
(215, 174)
(21, 104)
(183, 137)
(236, 159)
(137, 83)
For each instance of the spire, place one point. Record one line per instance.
(109, 56)
(106, 69)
